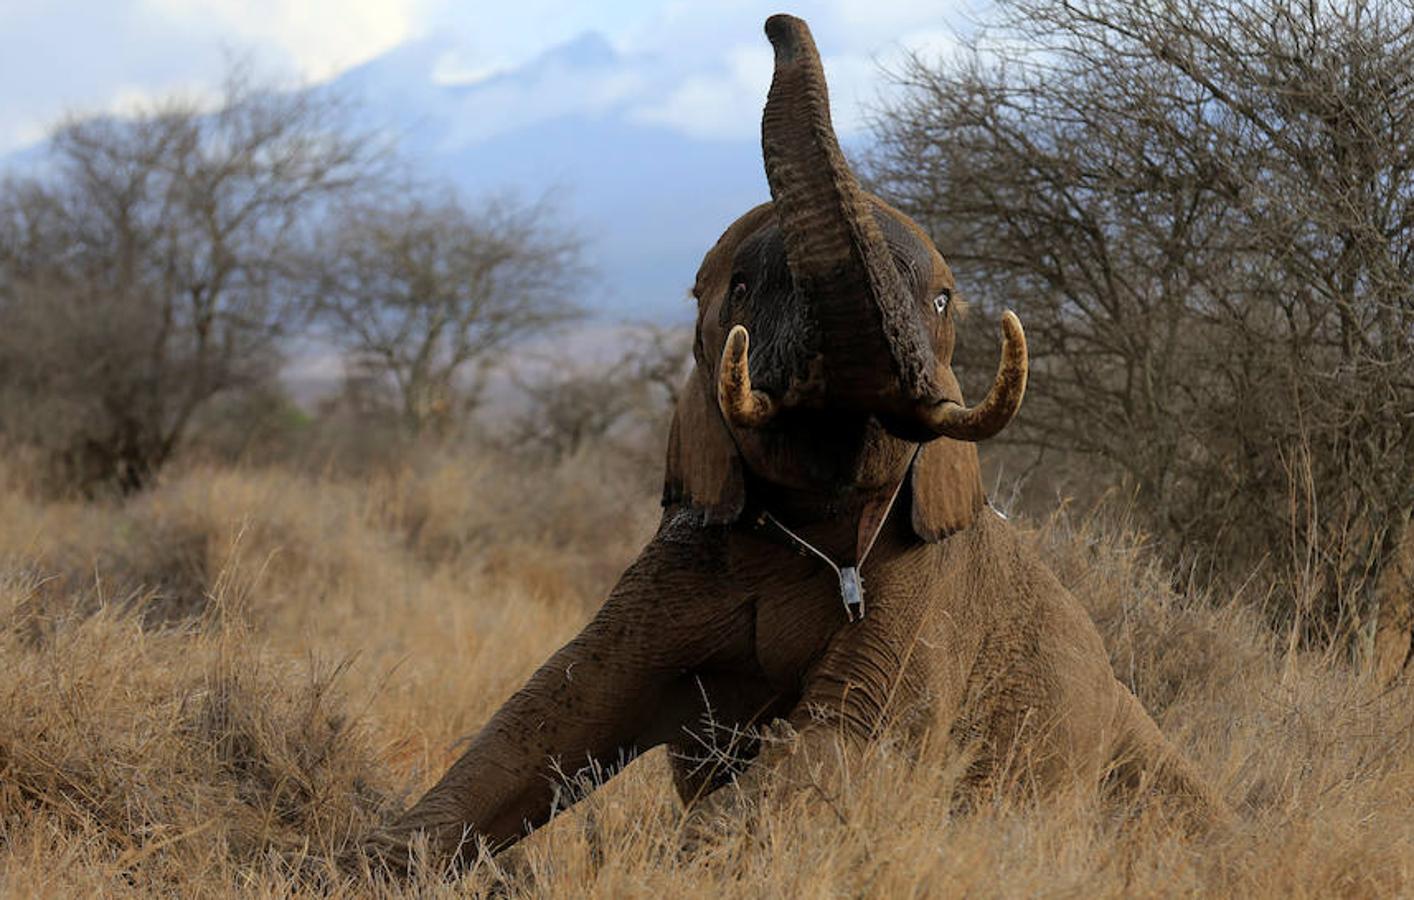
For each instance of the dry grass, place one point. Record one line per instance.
(213, 688)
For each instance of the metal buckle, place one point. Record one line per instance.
(852, 592)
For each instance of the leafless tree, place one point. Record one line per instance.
(569, 404)
(146, 270)
(659, 357)
(431, 294)
(1205, 211)
(568, 407)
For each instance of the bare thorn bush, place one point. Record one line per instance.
(425, 297)
(147, 270)
(1204, 211)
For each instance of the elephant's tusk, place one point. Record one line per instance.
(743, 406)
(977, 423)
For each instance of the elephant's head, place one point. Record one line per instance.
(825, 336)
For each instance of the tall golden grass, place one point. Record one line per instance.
(216, 687)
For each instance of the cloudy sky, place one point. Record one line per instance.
(61, 56)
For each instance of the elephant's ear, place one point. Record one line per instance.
(704, 468)
(946, 487)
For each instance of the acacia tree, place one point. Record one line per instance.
(1205, 211)
(148, 269)
(429, 295)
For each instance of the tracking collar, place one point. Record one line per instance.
(871, 522)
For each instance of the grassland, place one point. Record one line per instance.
(214, 687)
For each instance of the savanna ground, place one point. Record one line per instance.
(216, 686)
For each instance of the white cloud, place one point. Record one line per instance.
(451, 70)
(930, 42)
(545, 93)
(320, 37)
(86, 56)
(879, 21)
(701, 68)
(711, 104)
(22, 133)
(132, 99)
(723, 63)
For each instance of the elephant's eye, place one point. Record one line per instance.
(736, 295)
(940, 302)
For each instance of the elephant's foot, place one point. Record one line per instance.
(810, 764)
(1171, 785)
(1151, 773)
(398, 852)
(720, 789)
(385, 852)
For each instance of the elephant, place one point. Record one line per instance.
(826, 557)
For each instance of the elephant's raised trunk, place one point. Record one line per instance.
(837, 255)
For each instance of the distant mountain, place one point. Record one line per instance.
(572, 125)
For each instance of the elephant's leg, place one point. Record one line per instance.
(1143, 759)
(850, 693)
(714, 733)
(787, 755)
(595, 704)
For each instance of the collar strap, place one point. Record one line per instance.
(871, 522)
